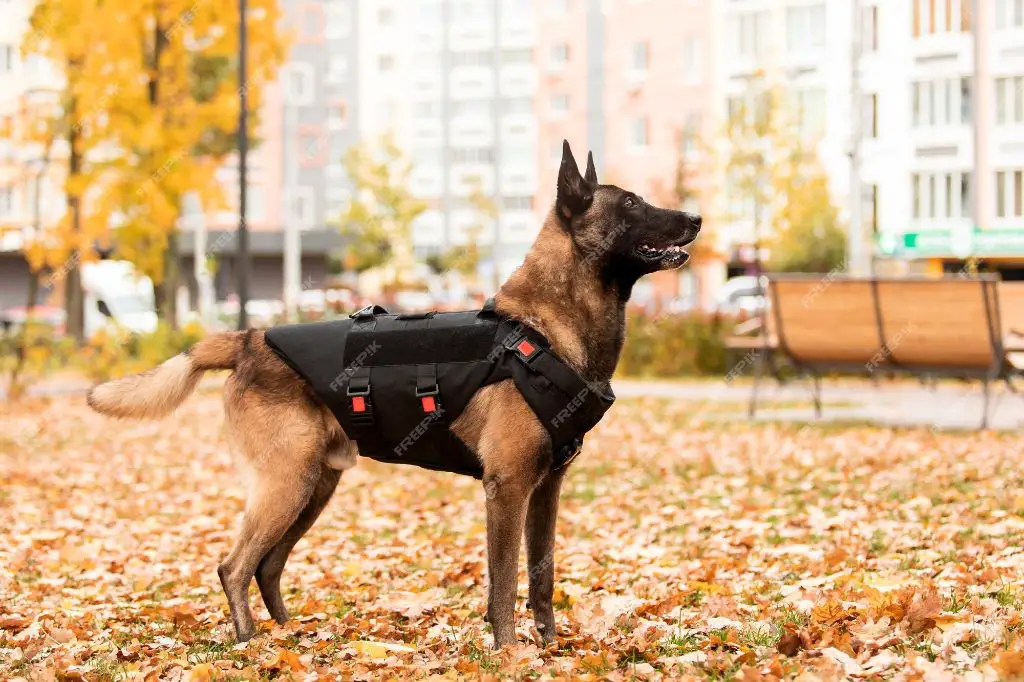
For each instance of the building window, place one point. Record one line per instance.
(337, 69)
(427, 109)
(521, 56)
(559, 56)
(943, 102)
(691, 59)
(915, 188)
(338, 17)
(940, 196)
(870, 207)
(299, 77)
(559, 104)
(810, 107)
(965, 195)
(517, 105)
(1009, 14)
(638, 132)
(933, 17)
(871, 115)
(472, 58)
(473, 155)
(386, 16)
(870, 42)
(303, 206)
(639, 56)
(1010, 194)
(385, 63)
(745, 33)
(471, 107)
(805, 28)
(6, 58)
(6, 201)
(523, 203)
(1010, 100)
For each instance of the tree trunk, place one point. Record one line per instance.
(21, 352)
(73, 299)
(167, 297)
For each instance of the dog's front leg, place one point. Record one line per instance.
(506, 513)
(540, 552)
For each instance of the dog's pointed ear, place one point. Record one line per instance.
(591, 175)
(574, 193)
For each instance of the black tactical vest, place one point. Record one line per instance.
(396, 383)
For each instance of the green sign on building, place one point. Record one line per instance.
(999, 243)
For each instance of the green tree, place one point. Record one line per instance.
(773, 177)
(807, 235)
(378, 220)
(465, 258)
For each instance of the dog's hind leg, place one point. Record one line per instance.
(273, 507)
(268, 573)
(284, 445)
(540, 552)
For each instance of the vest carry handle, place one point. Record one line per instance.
(368, 312)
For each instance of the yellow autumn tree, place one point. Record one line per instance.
(78, 39)
(175, 120)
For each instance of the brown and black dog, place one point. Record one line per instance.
(596, 242)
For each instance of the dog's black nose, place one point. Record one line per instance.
(694, 218)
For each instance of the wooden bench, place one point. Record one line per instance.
(935, 327)
(1011, 311)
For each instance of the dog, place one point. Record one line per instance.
(572, 287)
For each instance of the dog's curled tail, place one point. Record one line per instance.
(159, 391)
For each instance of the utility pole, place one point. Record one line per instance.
(292, 237)
(858, 250)
(242, 255)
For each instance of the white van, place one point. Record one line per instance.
(116, 297)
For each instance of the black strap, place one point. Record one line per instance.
(359, 382)
(358, 391)
(426, 380)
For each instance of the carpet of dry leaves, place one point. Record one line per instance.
(688, 547)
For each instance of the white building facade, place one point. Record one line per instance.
(920, 171)
(454, 82)
(802, 48)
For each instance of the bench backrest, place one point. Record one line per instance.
(1011, 307)
(825, 321)
(940, 323)
(916, 324)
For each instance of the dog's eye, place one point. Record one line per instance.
(630, 202)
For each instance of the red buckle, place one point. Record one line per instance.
(526, 349)
(429, 404)
(358, 404)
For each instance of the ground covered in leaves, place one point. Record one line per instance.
(687, 547)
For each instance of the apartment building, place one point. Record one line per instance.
(309, 118)
(921, 170)
(455, 83)
(30, 190)
(630, 80)
(801, 48)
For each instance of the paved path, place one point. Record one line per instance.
(948, 406)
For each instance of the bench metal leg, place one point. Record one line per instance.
(817, 395)
(758, 371)
(1010, 385)
(984, 408)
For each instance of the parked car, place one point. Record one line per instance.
(743, 294)
(13, 319)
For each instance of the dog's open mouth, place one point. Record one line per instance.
(665, 256)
